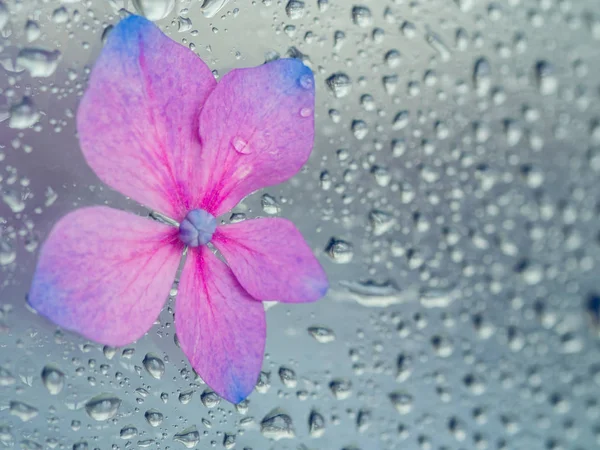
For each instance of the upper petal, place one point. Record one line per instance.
(221, 329)
(138, 120)
(271, 260)
(105, 274)
(257, 130)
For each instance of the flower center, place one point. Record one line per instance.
(197, 228)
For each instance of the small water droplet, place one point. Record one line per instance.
(103, 407)
(210, 399)
(288, 377)
(53, 379)
(210, 8)
(128, 432)
(277, 425)
(154, 9)
(23, 114)
(402, 402)
(545, 78)
(241, 146)
(154, 365)
(154, 417)
(361, 16)
(322, 335)
(188, 437)
(6, 378)
(341, 388)
(306, 112)
(40, 63)
(294, 9)
(23, 411)
(339, 84)
(316, 424)
(340, 251)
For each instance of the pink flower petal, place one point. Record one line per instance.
(271, 260)
(257, 130)
(105, 274)
(221, 329)
(138, 120)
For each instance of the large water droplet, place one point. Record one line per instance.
(316, 424)
(154, 417)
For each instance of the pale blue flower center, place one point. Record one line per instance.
(197, 228)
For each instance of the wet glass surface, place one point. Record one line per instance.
(452, 197)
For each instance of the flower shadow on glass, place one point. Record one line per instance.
(155, 125)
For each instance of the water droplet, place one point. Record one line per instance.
(341, 388)
(32, 31)
(53, 379)
(363, 420)
(4, 15)
(154, 9)
(401, 120)
(403, 402)
(269, 204)
(128, 432)
(154, 417)
(154, 365)
(306, 112)
(264, 382)
(103, 407)
(24, 114)
(361, 16)
(210, 399)
(188, 437)
(277, 425)
(545, 78)
(6, 378)
(23, 411)
(186, 396)
(360, 129)
(482, 76)
(306, 81)
(381, 222)
(294, 9)
(339, 84)
(316, 424)
(436, 42)
(340, 251)
(288, 377)
(322, 335)
(39, 62)
(228, 440)
(241, 146)
(210, 8)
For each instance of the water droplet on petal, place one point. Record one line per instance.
(241, 146)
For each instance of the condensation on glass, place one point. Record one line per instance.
(453, 198)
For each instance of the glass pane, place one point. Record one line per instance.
(452, 197)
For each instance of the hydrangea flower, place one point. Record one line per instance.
(156, 126)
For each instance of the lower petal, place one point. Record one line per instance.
(105, 274)
(221, 329)
(271, 260)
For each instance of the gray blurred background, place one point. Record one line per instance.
(452, 198)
